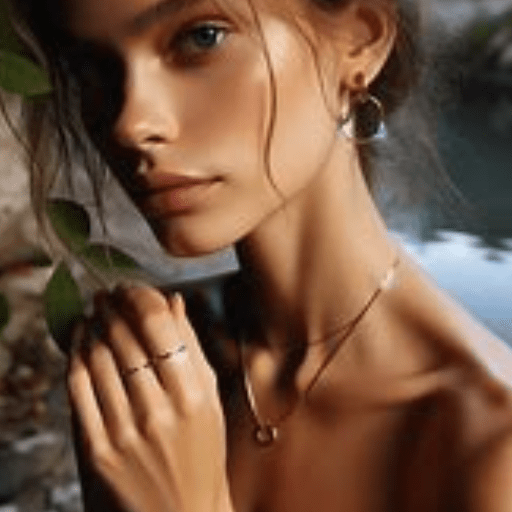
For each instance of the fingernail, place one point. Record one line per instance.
(177, 301)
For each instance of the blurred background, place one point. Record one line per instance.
(468, 252)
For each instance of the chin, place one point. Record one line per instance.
(181, 245)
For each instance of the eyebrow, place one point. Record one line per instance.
(155, 13)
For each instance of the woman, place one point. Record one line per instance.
(354, 383)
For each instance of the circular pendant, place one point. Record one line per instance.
(265, 435)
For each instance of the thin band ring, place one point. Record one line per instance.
(150, 363)
(134, 369)
(170, 353)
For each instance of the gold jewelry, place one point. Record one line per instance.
(265, 432)
(134, 369)
(169, 353)
(151, 363)
(367, 113)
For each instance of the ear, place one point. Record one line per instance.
(368, 30)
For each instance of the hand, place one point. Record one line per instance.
(149, 411)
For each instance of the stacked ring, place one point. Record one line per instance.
(155, 359)
(169, 353)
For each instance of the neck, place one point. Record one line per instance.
(318, 259)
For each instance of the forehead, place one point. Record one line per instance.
(104, 19)
(107, 18)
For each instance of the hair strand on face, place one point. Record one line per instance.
(397, 87)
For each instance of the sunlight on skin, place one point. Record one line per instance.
(316, 249)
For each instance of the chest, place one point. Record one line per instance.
(340, 465)
(373, 461)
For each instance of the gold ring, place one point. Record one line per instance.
(155, 359)
(134, 369)
(170, 353)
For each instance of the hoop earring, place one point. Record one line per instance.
(367, 114)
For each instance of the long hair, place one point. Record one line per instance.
(69, 129)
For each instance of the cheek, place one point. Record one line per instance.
(226, 124)
(227, 115)
(304, 128)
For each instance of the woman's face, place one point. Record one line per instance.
(197, 103)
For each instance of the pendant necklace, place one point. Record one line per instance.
(266, 432)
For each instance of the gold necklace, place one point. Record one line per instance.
(265, 432)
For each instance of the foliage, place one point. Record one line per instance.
(63, 306)
(62, 296)
(18, 74)
(105, 257)
(71, 223)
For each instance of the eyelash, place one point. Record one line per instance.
(182, 42)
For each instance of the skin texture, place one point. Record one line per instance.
(159, 436)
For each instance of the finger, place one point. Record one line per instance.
(110, 392)
(132, 364)
(83, 401)
(177, 370)
(186, 331)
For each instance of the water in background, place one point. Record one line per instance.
(475, 137)
(477, 276)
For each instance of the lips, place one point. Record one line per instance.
(160, 194)
(156, 182)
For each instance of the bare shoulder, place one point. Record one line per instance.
(493, 353)
(489, 470)
(490, 478)
(454, 328)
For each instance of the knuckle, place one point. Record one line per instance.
(195, 401)
(126, 440)
(153, 425)
(145, 297)
(102, 456)
(114, 326)
(156, 318)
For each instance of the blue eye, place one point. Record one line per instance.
(201, 37)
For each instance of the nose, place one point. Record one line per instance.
(148, 117)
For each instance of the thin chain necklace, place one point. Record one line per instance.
(265, 432)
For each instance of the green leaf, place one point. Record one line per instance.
(70, 221)
(106, 257)
(5, 312)
(20, 75)
(63, 306)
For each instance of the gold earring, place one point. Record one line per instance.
(367, 114)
